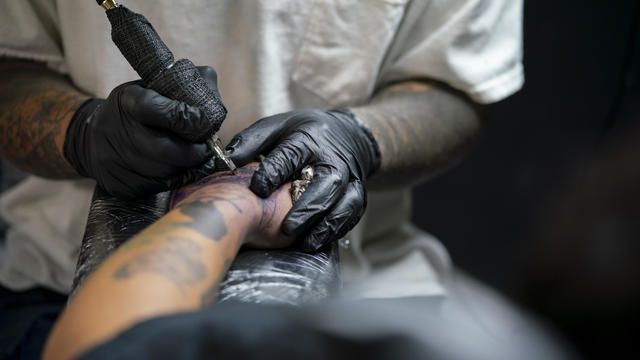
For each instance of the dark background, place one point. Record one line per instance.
(496, 212)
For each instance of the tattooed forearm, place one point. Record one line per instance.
(205, 216)
(36, 105)
(421, 128)
(179, 261)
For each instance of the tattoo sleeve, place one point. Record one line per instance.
(422, 128)
(36, 105)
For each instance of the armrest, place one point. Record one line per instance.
(286, 276)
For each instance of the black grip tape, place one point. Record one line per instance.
(134, 35)
(183, 82)
(139, 43)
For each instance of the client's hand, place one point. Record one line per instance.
(260, 218)
(173, 265)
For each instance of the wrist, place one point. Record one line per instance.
(372, 148)
(72, 147)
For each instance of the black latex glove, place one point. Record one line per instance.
(138, 142)
(343, 153)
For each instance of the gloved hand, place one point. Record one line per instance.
(343, 153)
(138, 142)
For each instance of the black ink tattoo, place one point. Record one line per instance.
(179, 261)
(207, 219)
(35, 104)
(421, 128)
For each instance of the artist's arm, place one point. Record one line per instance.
(408, 132)
(36, 105)
(175, 264)
(135, 142)
(421, 128)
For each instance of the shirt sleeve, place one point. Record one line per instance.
(472, 45)
(29, 30)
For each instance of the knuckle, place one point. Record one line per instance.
(259, 182)
(134, 101)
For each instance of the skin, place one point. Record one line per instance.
(174, 265)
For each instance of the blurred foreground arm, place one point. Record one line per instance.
(175, 264)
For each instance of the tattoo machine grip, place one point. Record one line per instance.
(150, 57)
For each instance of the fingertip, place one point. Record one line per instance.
(232, 151)
(297, 221)
(289, 228)
(242, 152)
(233, 144)
(260, 184)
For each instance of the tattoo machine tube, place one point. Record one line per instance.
(180, 80)
(257, 276)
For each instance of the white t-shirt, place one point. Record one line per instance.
(271, 57)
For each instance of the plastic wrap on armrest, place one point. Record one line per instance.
(111, 222)
(281, 276)
(258, 276)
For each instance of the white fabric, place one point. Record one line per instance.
(271, 57)
(47, 221)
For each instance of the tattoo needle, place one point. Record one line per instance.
(216, 145)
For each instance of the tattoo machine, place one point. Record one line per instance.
(153, 61)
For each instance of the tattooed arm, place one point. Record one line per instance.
(36, 105)
(422, 128)
(175, 264)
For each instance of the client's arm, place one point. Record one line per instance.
(175, 264)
